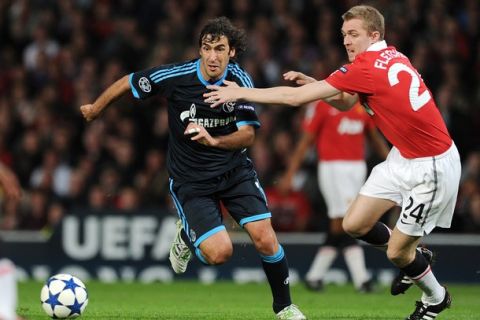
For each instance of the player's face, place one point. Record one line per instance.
(356, 38)
(215, 56)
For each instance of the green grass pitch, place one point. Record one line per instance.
(226, 300)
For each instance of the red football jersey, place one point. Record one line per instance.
(394, 94)
(339, 135)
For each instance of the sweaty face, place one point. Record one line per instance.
(214, 57)
(356, 38)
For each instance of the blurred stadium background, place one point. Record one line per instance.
(96, 200)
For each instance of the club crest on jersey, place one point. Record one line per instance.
(144, 84)
(228, 106)
(343, 69)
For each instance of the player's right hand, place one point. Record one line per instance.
(298, 77)
(88, 112)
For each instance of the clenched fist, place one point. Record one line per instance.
(88, 112)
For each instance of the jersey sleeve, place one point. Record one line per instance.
(353, 78)
(245, 112)
(246, 115)
(157, 80)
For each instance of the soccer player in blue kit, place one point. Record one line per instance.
(206, 160)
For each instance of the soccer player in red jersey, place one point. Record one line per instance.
(340, 144)
(422, 171)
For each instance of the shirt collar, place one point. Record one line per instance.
(377, 46)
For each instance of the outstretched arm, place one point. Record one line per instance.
(341, 101)
(112, 93)
(277, 95)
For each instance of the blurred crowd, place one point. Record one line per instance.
(58, 55)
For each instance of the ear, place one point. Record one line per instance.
(232, 53)
(375, 36)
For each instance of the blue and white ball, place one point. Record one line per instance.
(64, 296)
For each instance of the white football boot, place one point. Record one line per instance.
(291, 313)
(180, 254)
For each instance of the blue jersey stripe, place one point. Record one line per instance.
(161, 77)
(242, 75)
(180, 212)
(245, 81)
(134, 91)
(208, 234)
(167, 72)
(174, 75)
(257, 217)
(171, 70)
(276, 257)
(248, 123)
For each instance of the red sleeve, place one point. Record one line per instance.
(353, 78)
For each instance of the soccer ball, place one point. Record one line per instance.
(64, 296)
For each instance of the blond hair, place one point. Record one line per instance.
(372, 18)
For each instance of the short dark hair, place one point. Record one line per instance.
(222, 26)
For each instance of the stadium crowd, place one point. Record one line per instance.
(58, 55)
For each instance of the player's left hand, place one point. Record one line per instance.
(221, 94)
(200, 134)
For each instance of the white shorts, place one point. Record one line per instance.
(425, 188)
(339, 183)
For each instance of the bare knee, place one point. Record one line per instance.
(266, 246)
(217, 249)
(352, 228)
(263, 237)
(265, 242)
(220, 254)
(398, 257)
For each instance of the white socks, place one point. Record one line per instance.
(433, 292)
(322, 262)
(355, 260)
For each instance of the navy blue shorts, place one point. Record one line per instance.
(198, 203)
